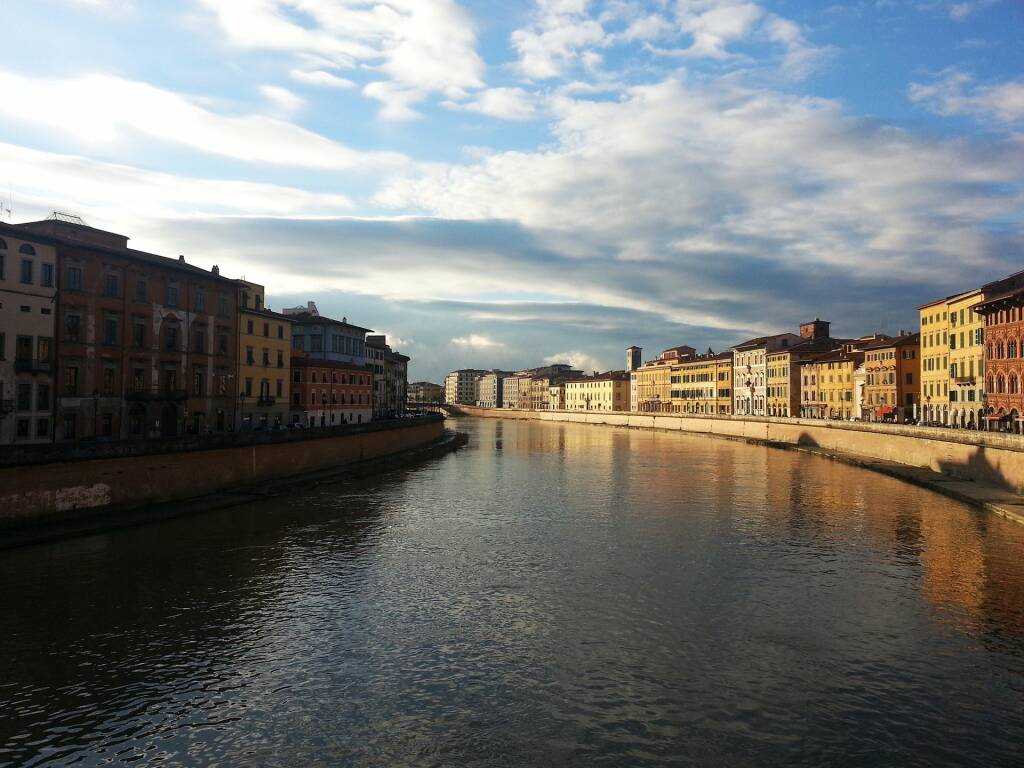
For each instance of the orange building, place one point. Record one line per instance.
(329, 392)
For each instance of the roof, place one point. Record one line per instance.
(947, 299)
(26, 232)
(308, 318)
(606, 376)
(836, 355)
(264, 312)
(699, 359)
(990, 302)
(895, 341)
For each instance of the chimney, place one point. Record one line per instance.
(181, 258)
(215, 269)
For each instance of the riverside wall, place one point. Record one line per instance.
(986, 457)
(59, 491)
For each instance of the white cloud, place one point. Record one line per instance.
(118, 109)
(713, 25)
(561, 31)
(46, 181)
(476, 341)
(503, 103)
(955, 93)
(415, 46)
(282, 98)
(320, 78)
(960, 11)
(577, 359)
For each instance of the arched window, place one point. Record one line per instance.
(1013, 389)
(27, 249)
(1000, 385)
(1011, 349)
(1000, 351)
(989, 386)
(3, 245)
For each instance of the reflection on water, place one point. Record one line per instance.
(553, 595)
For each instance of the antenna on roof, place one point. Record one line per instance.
(67, 218)
(8, 209)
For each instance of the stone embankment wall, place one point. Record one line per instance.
(37, 493)
(989, 457)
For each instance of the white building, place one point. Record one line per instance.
(460, 387)
(750, 370)
(512, 389)
(490, 389)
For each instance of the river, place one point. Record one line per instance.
(554, 594)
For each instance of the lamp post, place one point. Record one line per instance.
(95, 414)
(241, 400)
(323, 414)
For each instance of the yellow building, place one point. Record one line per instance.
(264, 360)
(966, 360)
(783, 374)
(652, 382)
(603, 392)
(934, 318)
(829, 387)
(702, 385)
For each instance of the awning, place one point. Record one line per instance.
(997, 417)
(885, 409)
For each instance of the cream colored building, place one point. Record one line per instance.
(966, 361)
(512, 390)
(651, 383)
(934, 323)
(603, 392)
(460, 387)
(556, 397)
(703, 385)
(750, 372)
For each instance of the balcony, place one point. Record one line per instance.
(965, 381)
(32, 365)
(266, 401)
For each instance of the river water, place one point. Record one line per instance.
(554, 594)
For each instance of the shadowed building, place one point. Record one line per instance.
(146, 345)
(934, 324)
(28, 299)
(460, 387)
(328, 393)
(424, 392)
(264, 360)
(966, 361)
(829, 385)
(651, 383)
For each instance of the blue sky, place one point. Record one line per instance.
(507, 183)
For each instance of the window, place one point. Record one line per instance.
(280, 388)
(280, 359)
(44, 349)
(172, 337)
(74, 278)
(73, 326)
(110, 330)
(24, 396)
(249, 358)
(107, 425)
(70, 426)
(138, 380)
(280, 331)
(139, 334)
(200, 300)
(111, 285)
(266, 329)
(172, 296)
(71, 380)
(197, 383)
(23, 428)
(26, 271)
(140, 290)
(222, 305)
(135, 424)
(248, 387)
(47, 276)
(222, 344)
(200, 341)
(248, 327)
(316, 343)
(23, 348)
(266, 357)
(109, 381)
(3, 346)
(27, 250)
(43, 428)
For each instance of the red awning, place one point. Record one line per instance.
(885, 409)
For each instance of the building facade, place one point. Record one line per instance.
(322, 338)
(784, 373)
(460, 387)
(491, 390)
(264, 361)
(391, 378)
(28, 305)
(702, 385)
(326, 393)
(511, 390)
(1003, 313)
(146, 345)
(829, 385)
(934, 330)
(967, 399)
(892, 384)
(425, 393)
(602, 392)
(651, 383)
(750, 372)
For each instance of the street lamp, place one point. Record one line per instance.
(323, 414)
(241, 400)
